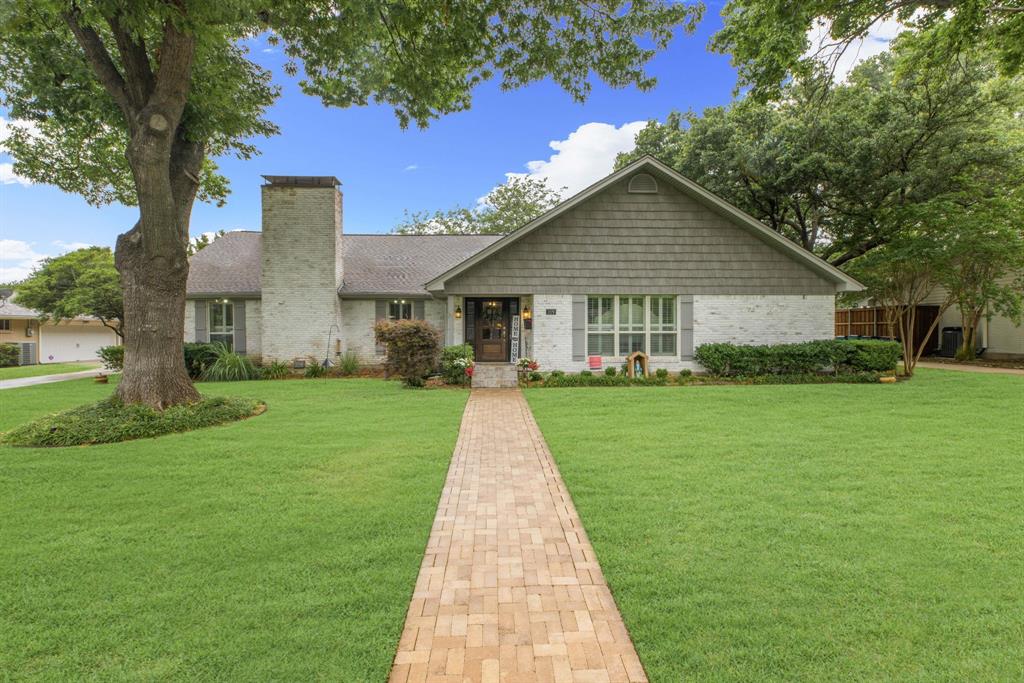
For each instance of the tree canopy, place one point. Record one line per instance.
(506, 208)
(770, 40)
(80, 283)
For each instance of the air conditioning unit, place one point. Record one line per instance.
(28, 353)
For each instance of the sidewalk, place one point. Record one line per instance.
(960, 367)
(510, 589)
(49, 379)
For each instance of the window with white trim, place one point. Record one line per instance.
(5, 325)
(399, 309)
(222, 323)
(629, 323)
(600, 326)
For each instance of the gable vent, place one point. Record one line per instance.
(643, 183)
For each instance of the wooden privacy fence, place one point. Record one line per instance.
(870, 322)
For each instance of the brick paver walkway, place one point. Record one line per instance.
(510, 589)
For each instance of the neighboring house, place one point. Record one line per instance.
(50, 342)
(644, 259)
(997, 336)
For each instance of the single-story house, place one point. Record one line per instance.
(644, 259)
(51, 342)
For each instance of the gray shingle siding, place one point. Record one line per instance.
(623, 243)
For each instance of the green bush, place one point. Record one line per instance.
(557, 373)
(276, 370)
(661, 373)
(228, 366)
(413, 349)
(112, 357)
(826, 355)
(589, 379)
(454, 361)
(348, 364)
(610, 371)
(111, 421)
(872, 355)
(199, 356)
(536, 376)
(314, 370)
(686, 372)
(10, 354)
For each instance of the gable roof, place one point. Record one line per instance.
(374, 265)
(843, 281)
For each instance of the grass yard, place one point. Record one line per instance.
(283, 547)
(829, 532)
(19, 371)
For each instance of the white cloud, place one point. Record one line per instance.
(18, 258)
(583, 158)
(9, 177)
(874, 43)
(411, 167)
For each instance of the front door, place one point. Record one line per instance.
(491, 330)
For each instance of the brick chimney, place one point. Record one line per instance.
(302, 265)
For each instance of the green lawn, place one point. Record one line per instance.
(812, 533)
(19, 371)
(284, 547)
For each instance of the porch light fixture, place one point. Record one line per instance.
(458, 312)
(527, 313)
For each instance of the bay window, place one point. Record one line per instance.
(629, 323)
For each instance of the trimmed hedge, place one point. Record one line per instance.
(111, 421)
(838, 356)
(589, 379)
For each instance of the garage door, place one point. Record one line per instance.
(63, 343)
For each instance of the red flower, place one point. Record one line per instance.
(469, 371)
(533, 365)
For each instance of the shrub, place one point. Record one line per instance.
(111, 421)
(348, 364)
(871, 355)
(556, 374)
(610, 371)
(228, 366)
(536, 376)
(199, 356)
(112, 357)
(413, 349)
(687, 372)
(314, 370)
(826, 355)
(276, 370)
(661, 373)
(10, 354)
(589, 379)
(586, 373)
(454, 361)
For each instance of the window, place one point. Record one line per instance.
(663, 325)
(222, 323)
(5, 325)
(631, 323)
(600, 326)
(399, 310)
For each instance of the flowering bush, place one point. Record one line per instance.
(456, 362)
(528, 364)
(413, 349)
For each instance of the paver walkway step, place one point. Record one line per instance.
(510, 589)
(495, 376)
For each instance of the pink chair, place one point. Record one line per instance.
(594, 362)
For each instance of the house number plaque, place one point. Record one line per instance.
(550, 311)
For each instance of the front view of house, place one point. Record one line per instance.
(643, 260)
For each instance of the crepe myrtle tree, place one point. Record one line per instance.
(131, 99)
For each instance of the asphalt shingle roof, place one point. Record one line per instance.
(373, 264)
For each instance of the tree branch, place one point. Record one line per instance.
(138, 74)
(102, 65)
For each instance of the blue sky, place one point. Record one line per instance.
(384, 169)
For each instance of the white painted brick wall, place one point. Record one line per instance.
(358, 316)
(253, 328)
(190, 321)
(552, 334)
(769, 319)
(301, 236)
